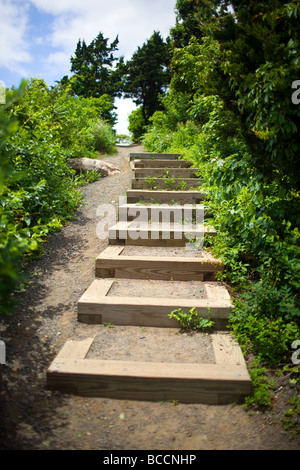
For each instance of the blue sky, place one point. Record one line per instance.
(38, 37)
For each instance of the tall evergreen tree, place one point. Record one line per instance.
(148, 74)
(94, 70)
(194, 16)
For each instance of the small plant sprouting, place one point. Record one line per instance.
(170, 181)
(191, 320)
(167, 173)
(83, 179)
(151, 181)
(183, 186)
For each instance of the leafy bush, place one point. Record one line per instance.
(259, 322)
(40, 129)
(104, 138)
(254, 212)
(137, 126)
(72, 122)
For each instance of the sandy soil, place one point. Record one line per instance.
(151, 345)
(32, 418)
(188, 251)
(158, 289)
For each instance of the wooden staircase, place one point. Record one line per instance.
(140, 251)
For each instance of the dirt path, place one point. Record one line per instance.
(33, 418)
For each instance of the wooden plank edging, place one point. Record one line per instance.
(160, 163)
(161, 196)
(218, 383)
(162, 172)
(153, 155)
(149, 311)
(166, 184)
(111, 264)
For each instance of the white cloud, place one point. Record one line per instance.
(14, 50)
(70, 20)
(48, 56)
(57, 7)
(133, 21)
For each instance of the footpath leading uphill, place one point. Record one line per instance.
(156, 248)
(75, 330)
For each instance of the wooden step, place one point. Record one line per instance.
(163, 212)
(157, 234)
(166, 183)
(223, 382)
(166, 172)
(97, 305)
(153, 156)
(169, 197)
(114, 263)
(154, 163)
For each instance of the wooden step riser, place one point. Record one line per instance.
(156, 242)
(161, 173)
(164, 269)
(224, 381)
(112, 264)
(149, 235)
(136, 272)
(162, 275)
(161, 164)
(129, 311)
(150, 242)
(164, 197)
(153, 156)
(97, 306)
(159, 213)
(161, 183)
(157, 216)
(211, 384)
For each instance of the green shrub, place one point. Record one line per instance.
(269, 338)
(104, 138)
(262, 388)
(256, 222)
(137, 126)
(191, 320)
(291, 417)
(40, 129)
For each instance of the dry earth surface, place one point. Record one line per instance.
(33, 418)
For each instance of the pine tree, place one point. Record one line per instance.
(93, 68)
(148, 75)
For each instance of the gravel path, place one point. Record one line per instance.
(33, 418)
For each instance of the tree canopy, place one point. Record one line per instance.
(93, 68)
(251, 60)
(148, 75)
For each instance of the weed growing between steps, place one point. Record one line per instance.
(191, 321)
